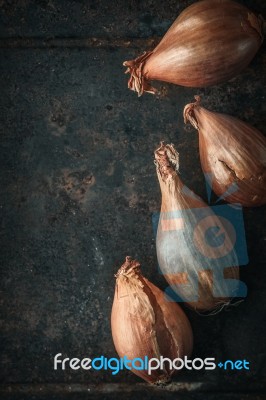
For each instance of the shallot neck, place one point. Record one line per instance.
(129, 268)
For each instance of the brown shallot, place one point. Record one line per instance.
(210, 42)
(195, 247)
(232, 154)
(145, 324)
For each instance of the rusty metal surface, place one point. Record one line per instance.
(182, 391)
(68, 18)
(78, 189)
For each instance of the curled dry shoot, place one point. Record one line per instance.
(145, 323)
(187, 55)
(204, 275)
(232, 153)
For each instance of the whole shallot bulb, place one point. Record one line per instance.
(195, 247)
(145, 323)
(232, 154)
(210, 42)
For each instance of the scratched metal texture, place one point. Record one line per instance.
(78, 190)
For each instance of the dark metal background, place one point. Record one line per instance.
(78, 189)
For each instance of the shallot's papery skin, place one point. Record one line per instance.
(210, 42)
(192, 268)
(232, 154)
(145, 323)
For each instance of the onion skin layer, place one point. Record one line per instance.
(210, 42)
(145, 323)
(179, 260)
(233, 153)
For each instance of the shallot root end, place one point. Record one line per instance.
(137, 81)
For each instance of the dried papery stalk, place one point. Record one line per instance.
(210, 42)
(145, 323)
(203, 275)
(232, 154)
